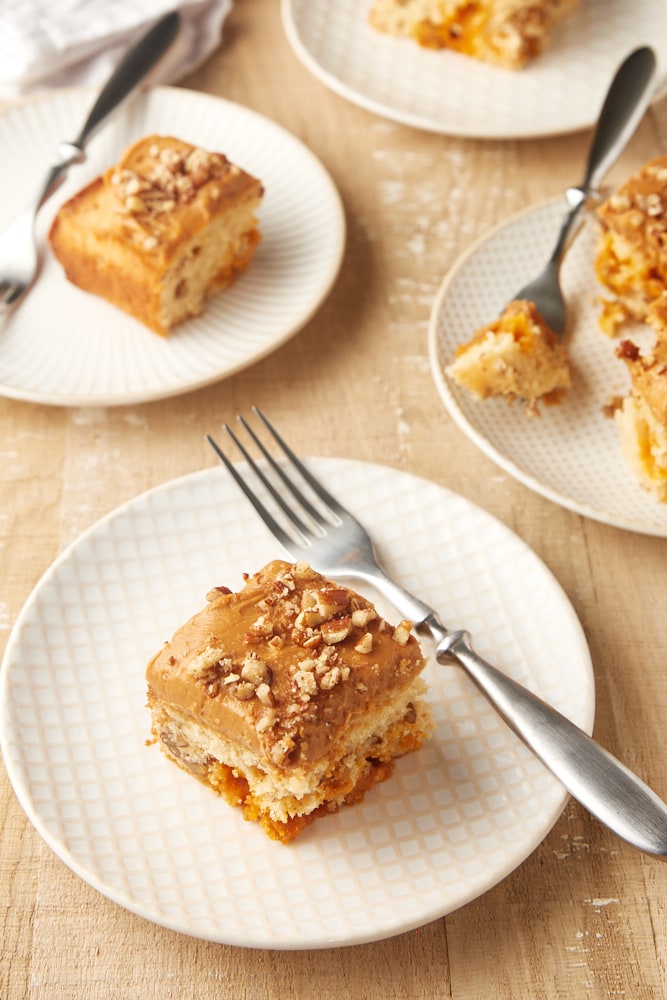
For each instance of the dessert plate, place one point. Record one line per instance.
(454, 819)
(453, 94)
(570, 453)
(64, 346)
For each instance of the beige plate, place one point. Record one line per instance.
(570, 454)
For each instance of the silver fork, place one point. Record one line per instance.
(334, 542)
(19, 258)
(623, 108)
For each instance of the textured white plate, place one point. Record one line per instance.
(446, 92)
(570, 453)
(454, 819)
(64, 346)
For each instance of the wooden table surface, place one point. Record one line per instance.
(585, 915)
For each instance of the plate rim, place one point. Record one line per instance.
(306, 314)
(425, 123)
(201, 929)
(479, 439)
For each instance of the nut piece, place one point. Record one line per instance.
(332, 600)
(336, 630)
(265, 695)
(365, 644)
(255, 671)
(362, 616)
(402, 633)
(244, 691)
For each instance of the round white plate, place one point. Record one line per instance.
(570, 453)
(64, 346)
(454, 819)
(562, 91)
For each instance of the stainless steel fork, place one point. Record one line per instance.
(336, 544)
(19, 258)
(628, 97)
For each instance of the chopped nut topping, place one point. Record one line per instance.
(362, 616)
(216, 592)
(402, 633)
(654, 204)
(244, 691)
(306, 681)
(365, 644)
(134, 204)
(265, 694)
(335, 630)
(309, 618)
(330, 679)
(262, 626)
(282, 749)
(331, 601)
(255, 671)
(302, 571)
(266, 721)
(620, 202)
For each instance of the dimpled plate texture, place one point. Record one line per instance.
(446, 92)
(454, 819)
(64, 346)
(571, 452)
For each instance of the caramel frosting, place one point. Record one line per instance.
(286, 665)
(164, 191)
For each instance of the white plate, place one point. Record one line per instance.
(446, 92)
(570, 453)
(454, 819)
(64, 346)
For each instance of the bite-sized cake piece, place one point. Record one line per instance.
(631, 258)
(642, 417)
(517, 356)
(507, 33)
(168, 226)
(289, 698)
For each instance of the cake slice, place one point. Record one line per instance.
(631, 257)
(642, 417)
(168, 226)
(506, 33)
(289, 698)
(517, 356)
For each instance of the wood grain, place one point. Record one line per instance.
(584, 916)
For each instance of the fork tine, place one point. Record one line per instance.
(292, 515)
(286, 540)
(294, 490)
(334, 506)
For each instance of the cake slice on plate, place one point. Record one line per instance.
(170, 225)
(290, 698)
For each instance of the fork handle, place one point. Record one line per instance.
(600, 782)
(134, 67)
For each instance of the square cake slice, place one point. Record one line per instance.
(631, 257)
(506, 33)
(517, 356)
(290, 698)
(168, 226)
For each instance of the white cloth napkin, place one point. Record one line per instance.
(60, 43)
